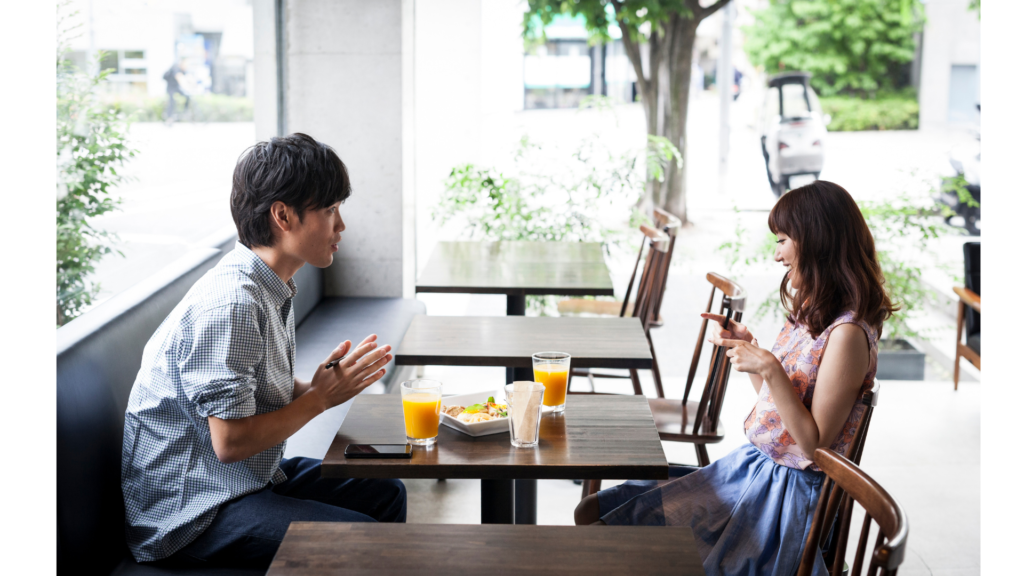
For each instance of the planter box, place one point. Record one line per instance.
(899, 361)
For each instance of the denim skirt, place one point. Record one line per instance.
(748, 514)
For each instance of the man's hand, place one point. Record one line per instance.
(238, 439)
(362, 367)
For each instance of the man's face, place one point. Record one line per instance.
(315, 239)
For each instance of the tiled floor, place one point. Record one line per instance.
(923, 446)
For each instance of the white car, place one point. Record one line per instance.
(792, 131)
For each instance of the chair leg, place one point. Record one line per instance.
(657, 374)
(702, 455)
(956, 371)
(590, 379)
(590, 487)
(635, 377)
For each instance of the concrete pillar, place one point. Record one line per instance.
(348, 82)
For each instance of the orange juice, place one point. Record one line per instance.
(554, 377)
(422, 414)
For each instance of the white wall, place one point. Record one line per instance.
(469, 85)
(952, 36)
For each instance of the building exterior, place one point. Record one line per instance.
(950, 64)
(142, 39)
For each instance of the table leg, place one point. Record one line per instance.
(526, 501)
(515, 305)
(496, 501)
(525, 490)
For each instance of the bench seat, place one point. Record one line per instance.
(98, 357)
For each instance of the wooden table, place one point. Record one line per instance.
(511, 341)
(517, 269)
(319, 548)
(596, 437)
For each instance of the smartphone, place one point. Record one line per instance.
(378, 451)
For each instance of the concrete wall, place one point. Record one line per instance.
(952, 36)
(347, 83)
(404, 90)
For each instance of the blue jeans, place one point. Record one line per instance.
(247, 530)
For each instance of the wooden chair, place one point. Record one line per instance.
(651, 277)
(970, 296)
(853, 485)
(670, 225)
(673, 417)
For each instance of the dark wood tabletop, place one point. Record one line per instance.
(517, 268)
(511, 341)
(316, 548)
(596, 437)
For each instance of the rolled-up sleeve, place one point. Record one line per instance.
(218, 361)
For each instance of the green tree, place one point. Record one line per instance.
(855, 47)
(669, 28)
(91, 146)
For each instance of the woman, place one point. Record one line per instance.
(751, 511)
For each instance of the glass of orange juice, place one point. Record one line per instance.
(552, 370)
(421, 403)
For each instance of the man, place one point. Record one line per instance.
(216, 397)
(175, 77)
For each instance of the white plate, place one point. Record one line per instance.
(496, 426)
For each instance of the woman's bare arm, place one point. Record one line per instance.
(844, 363)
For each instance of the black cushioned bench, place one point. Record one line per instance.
(98, 357)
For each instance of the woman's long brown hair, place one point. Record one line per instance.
(836, 258)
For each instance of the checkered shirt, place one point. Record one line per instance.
(226, 350)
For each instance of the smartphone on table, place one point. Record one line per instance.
(378, 451)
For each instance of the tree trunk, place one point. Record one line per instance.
(680, 70)
(673, 43)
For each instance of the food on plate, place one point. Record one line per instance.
(473, 413)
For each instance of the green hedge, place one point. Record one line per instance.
(889, 112)
(203, 108)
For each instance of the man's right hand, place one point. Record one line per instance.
(362, 367)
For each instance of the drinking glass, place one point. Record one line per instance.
(552, 370)
(524, 427)
(421, 403)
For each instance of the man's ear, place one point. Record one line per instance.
(282, 217)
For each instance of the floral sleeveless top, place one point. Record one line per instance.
(800, 355)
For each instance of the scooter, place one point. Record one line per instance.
(966, 161)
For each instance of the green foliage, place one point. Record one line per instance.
(91, 147)
(600, 15)
(893, 111)
(548, 199)
(852, 47)
(202, 108)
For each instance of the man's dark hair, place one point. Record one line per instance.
(295, 169)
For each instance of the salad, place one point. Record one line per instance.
(489, 410)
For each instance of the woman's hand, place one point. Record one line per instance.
(749, 358)
(736, 330)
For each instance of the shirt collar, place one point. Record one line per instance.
(278, 290)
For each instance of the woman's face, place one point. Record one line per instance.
(785, 252)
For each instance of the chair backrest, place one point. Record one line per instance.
(972, 280)
(709, 408)
(657, 243)
(854, 452)
(670, 225)
(879, 505)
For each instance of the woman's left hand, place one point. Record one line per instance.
(749, 358)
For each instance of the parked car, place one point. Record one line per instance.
(792, 130)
